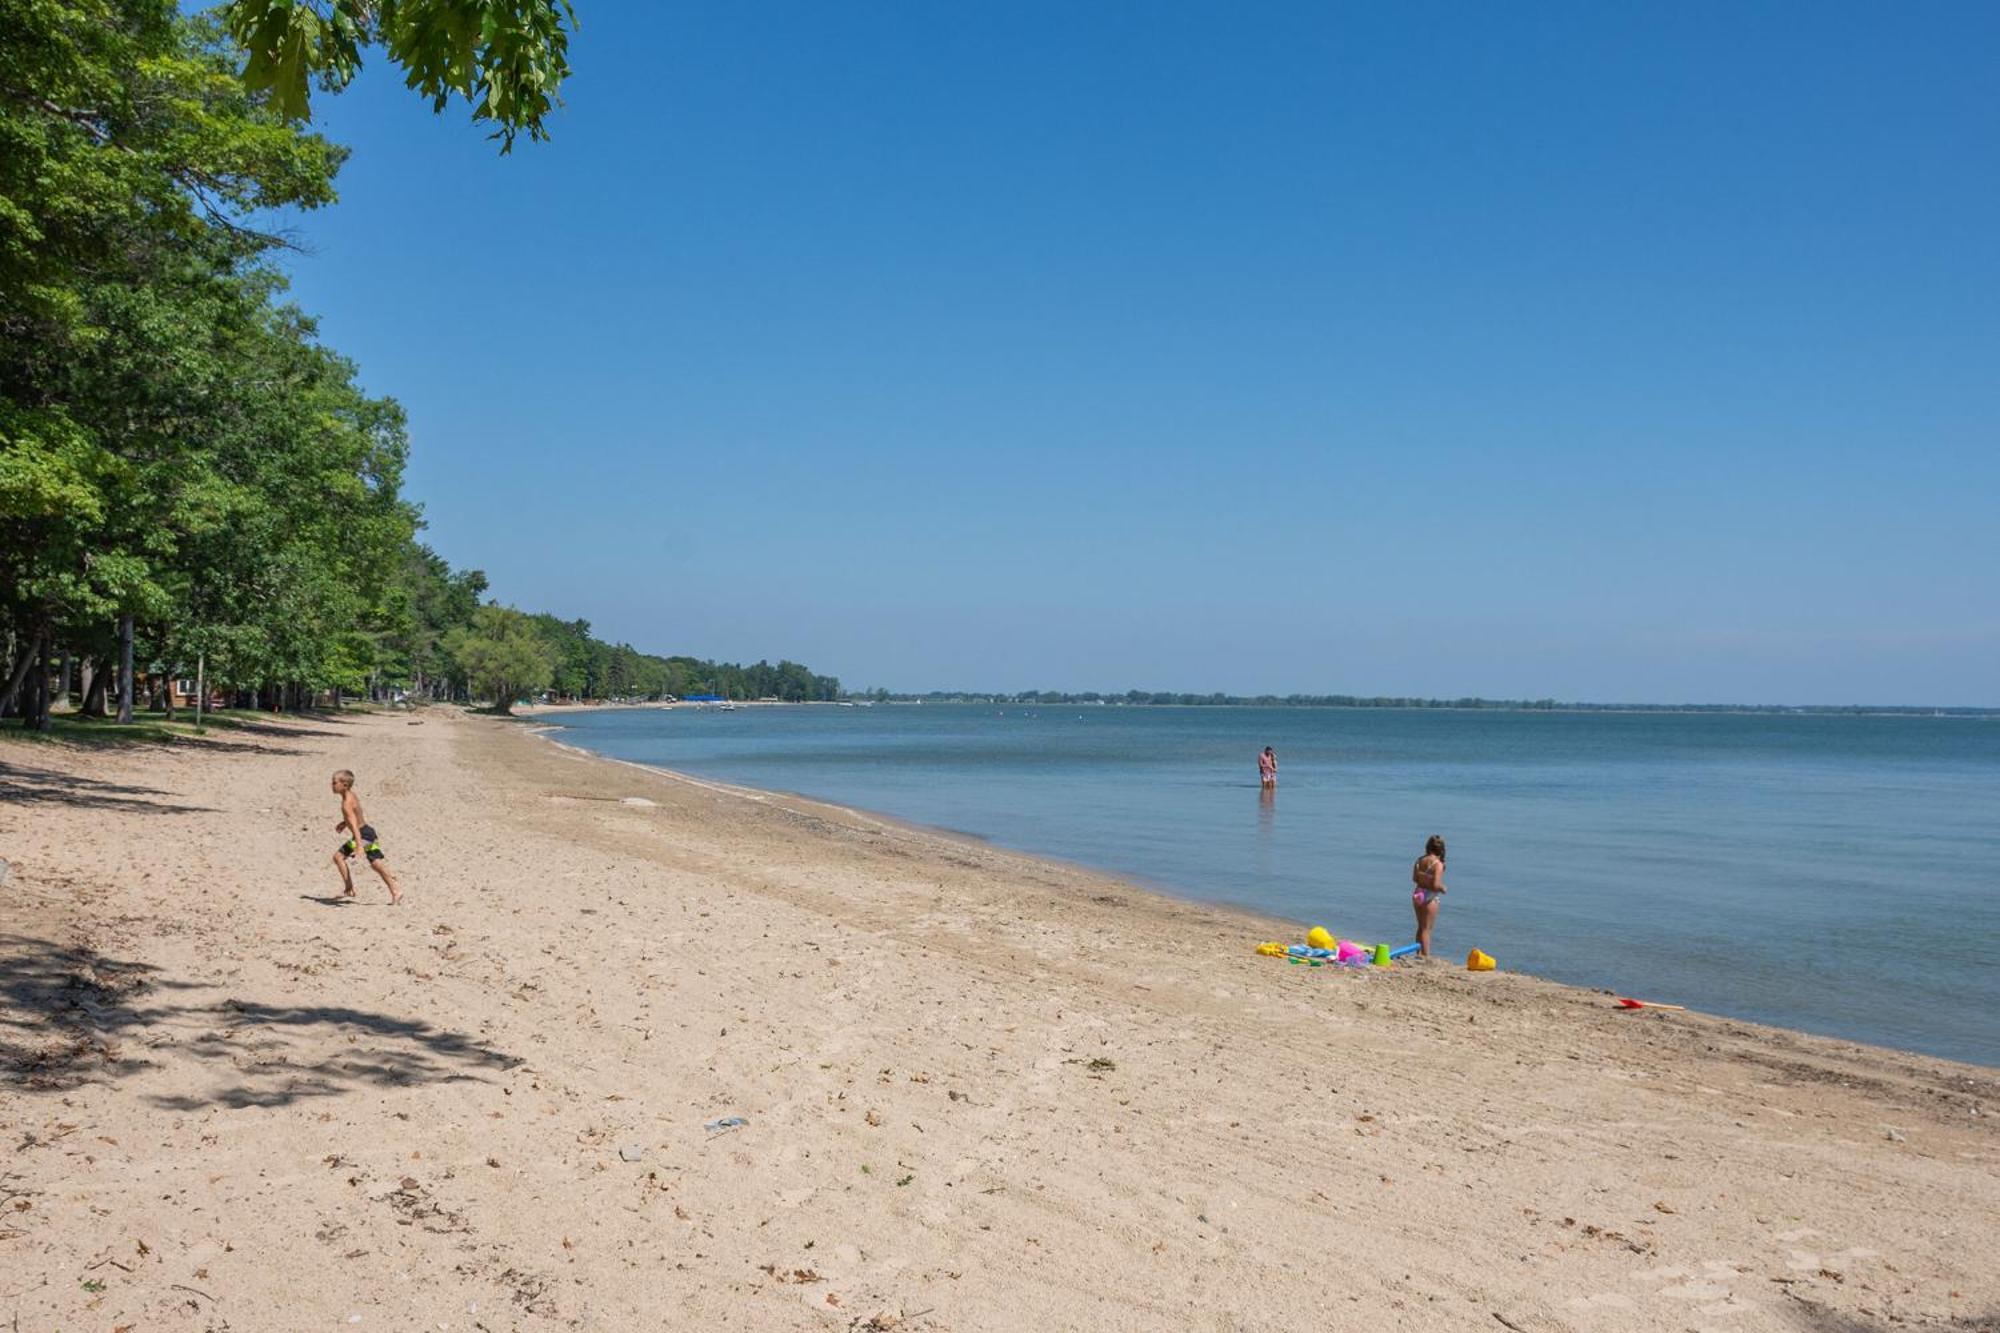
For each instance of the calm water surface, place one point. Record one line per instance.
(1837, 874)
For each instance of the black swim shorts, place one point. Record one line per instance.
(368, 844)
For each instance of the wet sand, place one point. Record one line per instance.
(982, 1091)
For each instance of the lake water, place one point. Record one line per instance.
(1837, 874)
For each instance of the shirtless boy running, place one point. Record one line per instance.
(360, 834)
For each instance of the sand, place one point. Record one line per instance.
(981, 1091)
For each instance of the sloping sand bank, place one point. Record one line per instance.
(982, 1091)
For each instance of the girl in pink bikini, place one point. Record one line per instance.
(1427, 875)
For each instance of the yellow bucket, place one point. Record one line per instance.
(1479, 962)
(1319, 939)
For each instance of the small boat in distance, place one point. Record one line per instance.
(705, 703)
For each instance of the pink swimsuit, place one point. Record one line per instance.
(1423, 897)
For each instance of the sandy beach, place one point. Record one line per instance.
(979, 1091)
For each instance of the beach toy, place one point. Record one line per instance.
(1404, 950)
(1271, 949)
(1625, 1003)
(1349, 949)
(1479, 962)
(1381, 955)
(1319, 939)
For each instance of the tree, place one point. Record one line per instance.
(129, 154)
(571, 648)
(506, 58)
(434, 599)
(502, 654)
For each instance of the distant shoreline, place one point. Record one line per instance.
(1469, 704)
(1957, 713)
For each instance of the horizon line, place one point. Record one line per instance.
(1297, 699)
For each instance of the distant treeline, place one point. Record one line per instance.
(453, 647)
(1162, 698)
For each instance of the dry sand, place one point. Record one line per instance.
(982, 1091)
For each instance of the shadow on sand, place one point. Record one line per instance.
(71, 1016)
(45, 786)
(253, 728)
(156, 730)
(1806, 1315)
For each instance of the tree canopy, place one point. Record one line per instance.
(501, 654)
(506, 59)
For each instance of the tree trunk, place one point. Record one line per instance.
(43, 698)
(63, 680)
(21, 670)
(96, 684)
(125, 668)
(200, 688)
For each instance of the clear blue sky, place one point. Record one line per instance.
(1596, 351)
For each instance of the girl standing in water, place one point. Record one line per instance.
(1428, 877)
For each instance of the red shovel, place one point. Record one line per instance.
(1625, 1003)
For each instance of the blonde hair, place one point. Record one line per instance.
(344, 775)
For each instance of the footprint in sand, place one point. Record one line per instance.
(1707, 1282)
